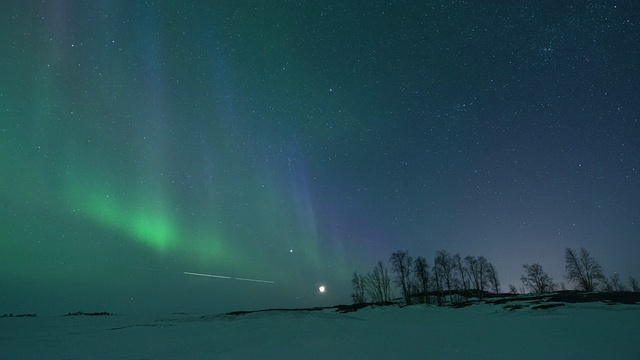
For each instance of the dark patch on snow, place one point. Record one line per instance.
(355, 307)
(350, 308)
(81, 313)
(461, 304)
(547, 306)
(150, 324)
(18, 315)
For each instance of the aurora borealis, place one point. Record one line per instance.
(296, 142)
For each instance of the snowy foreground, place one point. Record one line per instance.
(482, 331)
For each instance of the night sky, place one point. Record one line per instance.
(293, 142)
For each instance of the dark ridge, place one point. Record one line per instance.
(236, 313)
(517, 298)
(355, 307)
(625, 297)
(460, 294)
(80, 313)
(570, 297)
(488, 295)
(18, 315)
(338, 308)
(540, 300)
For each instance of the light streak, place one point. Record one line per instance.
(255, 280)
(206, 275)
(228, 277)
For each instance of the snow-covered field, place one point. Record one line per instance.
(482, 331)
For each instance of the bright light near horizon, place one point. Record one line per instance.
(321, 289)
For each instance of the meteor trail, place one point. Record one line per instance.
(206, 275)
(255, 280)
(227, 277)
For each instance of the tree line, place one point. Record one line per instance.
(453, 278)
(581, 269)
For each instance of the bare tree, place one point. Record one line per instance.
(583, 269)
(472, 263)
(494, 282)
(385, 281)
(378, 283)
(616, 283)
(634, 284)
(401, 263)
(478, 273)
(512, 289)
(421, 274)
(536, 279)
(437, 284)
(461, 270)
(522, 289)
(358, 283)
(445, 265)
(606, 285)
(563, 286)
(483, 266)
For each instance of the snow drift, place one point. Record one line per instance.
(593, 330)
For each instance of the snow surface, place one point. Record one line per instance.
(482, 331)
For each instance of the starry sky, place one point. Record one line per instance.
(281, 145)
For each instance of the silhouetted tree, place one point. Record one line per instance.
(378, 283)
(605, 285)
(445, 265)
(359, 285)
(634, 284)
(512, 289)
(401, 264)
(461, 270)
(616, 284)
(494, 282)
(536, 280)
(522, 288)
(478, 273)
(563, 286)
(483, 266)
(386, 281)
(437, 284)
(472, 263)
(582, 269)
(421, 274)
